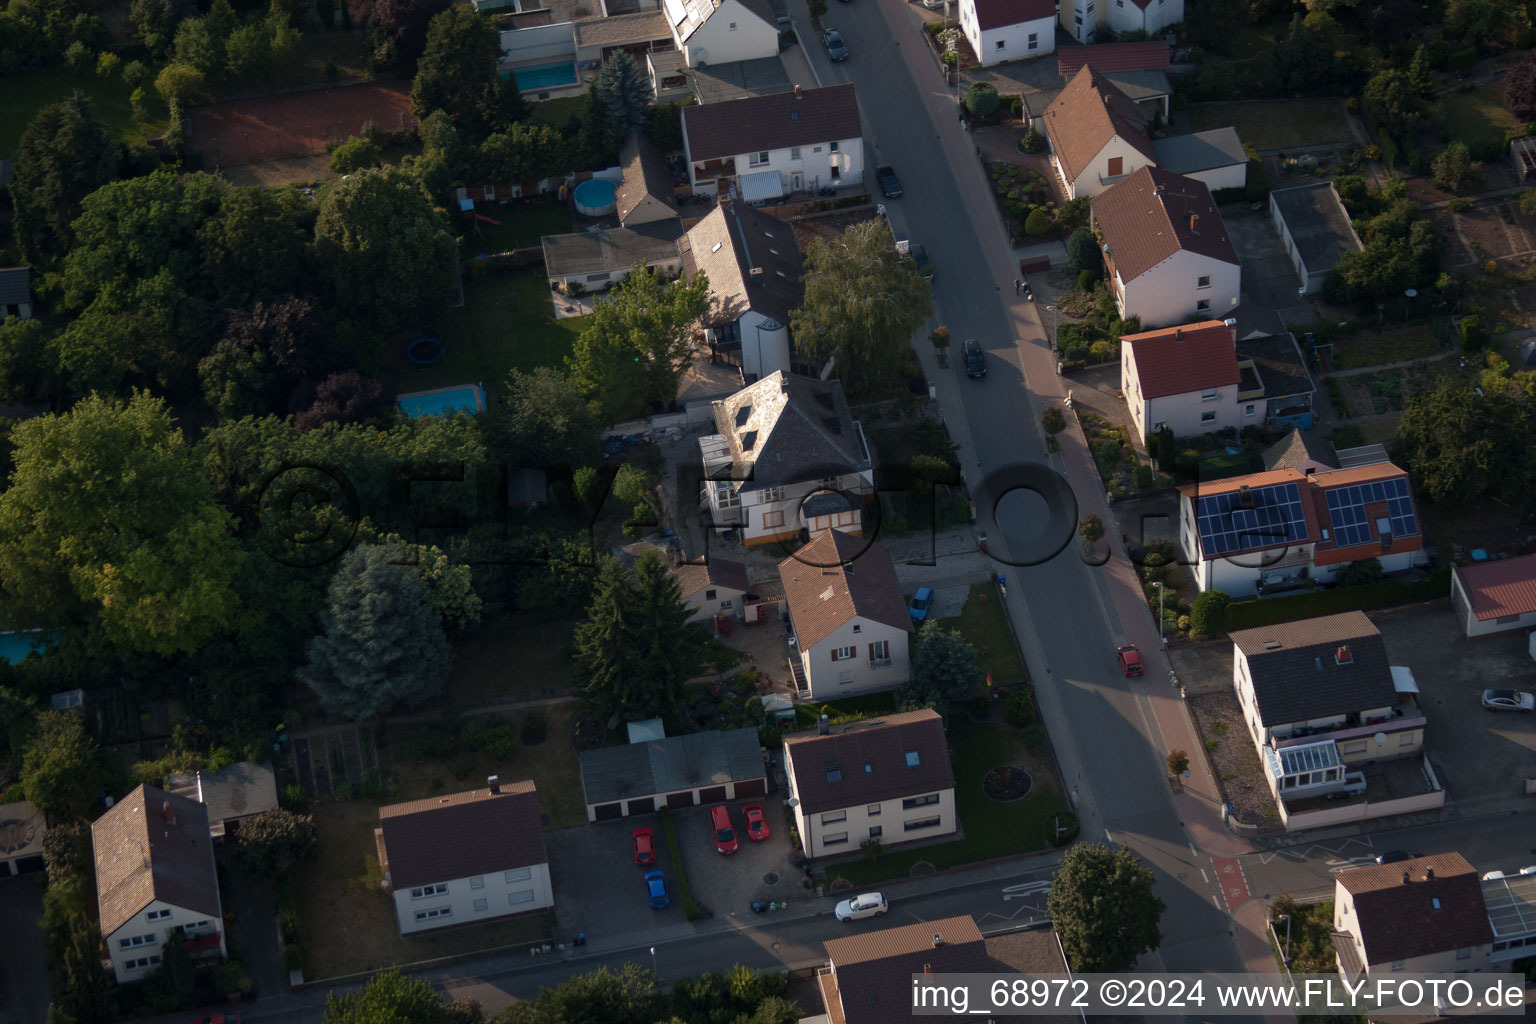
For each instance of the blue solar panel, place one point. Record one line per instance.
(1225, 526)
(1351, 525)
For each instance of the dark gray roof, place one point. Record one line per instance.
(462, 835)
(727, 245)
(611, 249)
(869, 761)
(1297, 448)
(153, 845)
(645, 176)
(1280, 364)
(1318, 224)
(775, 121)
(1202, 151)
(825, 504)
(1297, 675)
(761, 76)
(238, 791)
(790, 429)
(15, 285)
(671, 765)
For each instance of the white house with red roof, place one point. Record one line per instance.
(1185, 378)
(1270, 531)
(1081, 17)
(1491, 597)
(1004, 30)
(1096, 134)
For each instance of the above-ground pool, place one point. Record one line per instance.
(14, 647)
(468, 398)
(555, 75)
(595, 198)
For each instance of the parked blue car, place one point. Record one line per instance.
(656, 887)
(918, 609)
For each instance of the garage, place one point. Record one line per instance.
(675, 771)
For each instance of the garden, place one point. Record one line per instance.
(1276, 124)
(1090, 333)
(1025, 201)
(1114, 453)
(1233, 760)
(921, 487)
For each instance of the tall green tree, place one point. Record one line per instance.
(64, 155)
(629, 995)
(521, 153)
(381, 644)
(1391, 102)
(1453, 168)
(638, 342)
(945, 668)
(61, 771)
(458, 74)
(388, 998)
(862, 302)
(1104, 909)
(1305, 57)
(543, 419)
(384, 249)
(27, 359)
(154, 22)
(108, 518)
(1461, 447)
(625, 93)
(1483, 23)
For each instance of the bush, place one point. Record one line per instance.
(498, 740)
(1178, 762)
(1019, 708)
(981, 99)
(78, 57)
(1102, 352)
(535, 729)
(1142, 476)
(354, 155)
(1053, 420)
(1472, 339)
(107, 64)
(1037, 223)
(1086, 279)
(1248, 614)
(1208, 617)
(1358, 574)
(136, 74)
(872, 849)
(1032, 142)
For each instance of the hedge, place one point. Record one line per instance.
(1248, 614)
(690, 909)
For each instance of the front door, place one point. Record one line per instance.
(797, 183)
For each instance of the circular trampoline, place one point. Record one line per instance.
(596, 198)
(425, 352)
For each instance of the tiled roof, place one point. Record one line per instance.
(1297, 448)
(727, 244)
(645, 175)
(992, 14)
(1401, 920)
(15, 285)
(1179, 360)
(777, 121)
(786, 429)
(1317, 223)
(1500, 588)
(715, 572)
(1150, 215)
(873, 970)
(622, 29)
(1090, 112)
(1147, 56)
(153, 845)
(463, 834)
(1296, 674)
(611, 249)
(1202, 151)
(874, 758)
(838, 577)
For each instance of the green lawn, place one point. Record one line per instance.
(1251, 40)
(984, 625)
(1375, 348)
(556, 112)
(27, 92)
(506, 322)
(513, 657)
(992, 829)
(521, 226)
(1480, 114)
(1276, 124)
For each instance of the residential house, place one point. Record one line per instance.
(868, 977)
(1149, 90)
(676, 771)
(1302, 451)
(1282, 372)
(1315, 230)
(850, 624)
(1425, 915)
(1166, 250)
(721, 31)
(1319, 697)
(1149, 55)
(645, 193)
(1495, 596)
(1096, 134)
(716, 587)
(674, 80)
(155, 878)
(465, 857)
(788, 458)
(1004, 30)
(851, 782)
(765, 146)
(1271, 531)
(235, 792)
(754, 268)
(553, 48)
(22, 828)
(15, 293)
(1081, 18)
(1215, 158)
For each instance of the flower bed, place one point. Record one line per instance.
(1019, 193)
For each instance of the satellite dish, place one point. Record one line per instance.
(792, 802)
(1380, 738)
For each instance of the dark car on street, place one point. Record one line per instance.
(836, 48)
(975, 359)
(890, 185)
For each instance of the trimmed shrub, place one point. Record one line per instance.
(1037, 223)
(1142, 476)
(691, 909)
(1208, 616)
(1248, 614)
(1086, 279)
(1019, 708)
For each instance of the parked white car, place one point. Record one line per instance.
(1508, 700)
(870, 904)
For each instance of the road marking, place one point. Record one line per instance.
(1193, 851)
(1205, 877)
(1025, 890)
(1216, 900)
(1234, 883)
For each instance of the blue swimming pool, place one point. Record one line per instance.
(14, 647)
(470, 398)
(545, 76)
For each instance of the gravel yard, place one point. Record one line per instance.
(1229, 749)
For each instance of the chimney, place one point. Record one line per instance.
(755, 276)
(1405, 878)
(1342, 655)
(1194, 223)
(797, 92)
(1429, 874)
(168, 814)
(927, 970)
(1244, 496)
(938, 940)
(1178, 334)
(823, 727)
(725, 200)
(494, 782)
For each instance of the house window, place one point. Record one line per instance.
(727, 604)
(427, 915)
(605, 276)
(858, 628)
(842, 653)
(518, 875)
(733, 26)
(1034, 40)
(1116, 166)
(1204, 281)
(875, 831)
(920, 823)
(138, 940)
(815, 149)
(757, 159)
(1247, 410)
(1406, 739)
(141, 962)
(794, 152)
(919, 801)
(1000, 44)
(880, 652)
(832, 146)
(771, 494)
(1208, 417)
(844, 677)
(521, 896)
(774, 518)
(482, 905)
(1203, 306)
(835, 839)
(157, 915)
(1397, 965)
(833, 817)
(424, 891)
(709, 595)
(1352, 747)
(1210, 395)
(837, 172)
(872, 811)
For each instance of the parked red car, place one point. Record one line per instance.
(645, 846)
(1130, 660)
(725, 832)
(757, 825)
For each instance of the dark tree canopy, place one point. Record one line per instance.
(544, 420)
(270, 843)
(344, 397)
(1520, 88)
(404, 25)
(625, 93)
(1461, 447)
(945, 668)
(1104, 909)
(521, 153)
(389, 998)
(60, 772)
(458, 74)
(64, 155)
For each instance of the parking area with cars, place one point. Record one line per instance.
(759, 870)
(599, 889)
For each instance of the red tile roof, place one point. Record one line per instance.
(1151, 215)
(1000, 13)
(1497, 589)
(1399, 920)
(776, 121)
(1090, 112)
(463, 834)
(716, 572)
(1178, 360)
(874, 970)
(1112, 57)
(836, 577)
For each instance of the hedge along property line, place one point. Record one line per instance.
(690, 908)
(1248, 614)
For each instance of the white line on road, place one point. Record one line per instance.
(1216, 900)
(1205, 877)
(1193, 850)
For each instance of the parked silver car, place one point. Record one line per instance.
(869, 904)
(1508, 700)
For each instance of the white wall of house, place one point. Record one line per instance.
(537, 42)
(799, 167)
(1103, 171)
(607, 279)
(712, 601)
(1449, 961)
(1230, 176)
(1080, 17)
(764, 344)
(137, 946)
(1399, 562)
(831, 833)
(1019, 41)
(731, 33)
(766, 515)
(842, 664)
(1187, 414)
(1184, 285)
(1125, 16)
(467, 900)
(1469, 622)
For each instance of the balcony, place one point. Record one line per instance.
(202, 945)
(879, 662)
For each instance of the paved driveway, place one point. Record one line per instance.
(1268, 277)
(599, 889)
(728, 886)
(24, 993)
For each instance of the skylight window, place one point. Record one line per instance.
(913, 760)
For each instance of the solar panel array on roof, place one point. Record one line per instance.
(1275, 518)
(1346, 509)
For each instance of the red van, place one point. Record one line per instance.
(725, 833)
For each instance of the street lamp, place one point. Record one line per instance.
(1287, 919)
(653, 960)
(1162, 642)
